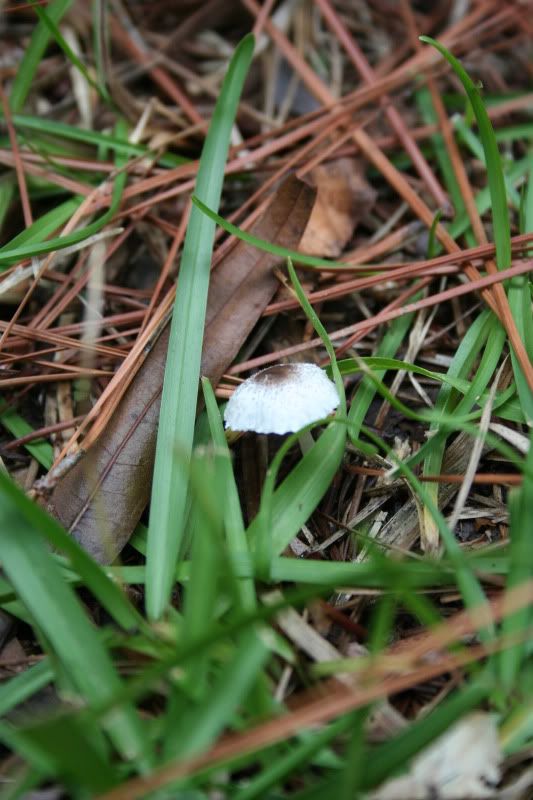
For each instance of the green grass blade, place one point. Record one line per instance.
(262, 244)
(237, 543)
(56, 34)
(24, 685)
(11, 255)
(467, 135)
(520, 570)
(101, 35)
(61, 130)
(366, 391)
(46, 224)
(312, 316)
(33, 55)
(447, 401)
(92, 575)
(207, 561)
(24, 77)
(277, 770)
(198, 728)
(7, 192)
(502, 229)
(40, 450)
(70, 750)
(182, 373)
(519, 294)
(59, 616)
(500, 219)
(461, 222)
(283, 511)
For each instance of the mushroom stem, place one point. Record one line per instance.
(306, 441)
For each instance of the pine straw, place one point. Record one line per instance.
(41, 338)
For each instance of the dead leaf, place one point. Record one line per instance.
(243, 285)
(101, 499)
(464, 762)
(344, 196)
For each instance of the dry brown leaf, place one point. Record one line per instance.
(344, 196)
(100, 500)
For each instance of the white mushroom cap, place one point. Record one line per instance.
(281, 399)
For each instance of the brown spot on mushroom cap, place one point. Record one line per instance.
(276, 374)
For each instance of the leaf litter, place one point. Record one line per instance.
(335, 98)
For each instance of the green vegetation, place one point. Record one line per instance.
(167, 672)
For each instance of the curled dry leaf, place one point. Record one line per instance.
(101, 499)
(464, 762)
(343, 197)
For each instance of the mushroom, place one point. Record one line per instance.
(282, 399)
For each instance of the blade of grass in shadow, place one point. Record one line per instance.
(64, 749)
(365, 393)
(190, 726)
(207, 567)
(182, 373)
(237, 543)
(101, 37)
(197, 729)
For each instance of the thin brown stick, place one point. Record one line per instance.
(42, 433)
(510, 478)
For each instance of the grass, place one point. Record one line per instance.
(180, 392)
(219, 656)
